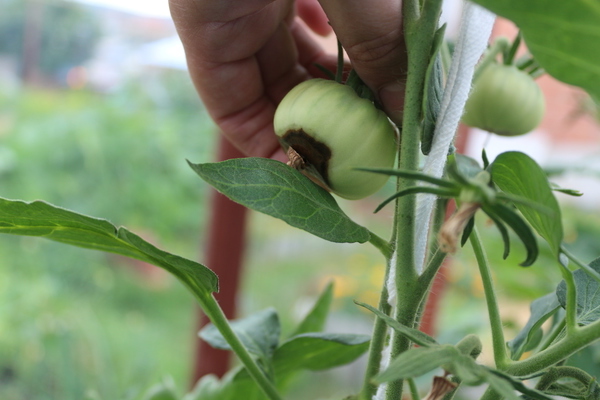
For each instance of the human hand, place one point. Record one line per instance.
(244, 56)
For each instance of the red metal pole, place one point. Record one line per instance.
(224, 255)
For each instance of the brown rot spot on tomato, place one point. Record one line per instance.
(311, 151)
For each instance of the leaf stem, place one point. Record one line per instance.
(571, 301)
(499, 46)
(433, 266)
(381, 244)
(559, 351)
(586, 268)
(500, 356)
(378, 340)
(414, 391)
(217, 317)
(420, 25)
(552, 335)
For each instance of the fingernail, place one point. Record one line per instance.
(392, 98)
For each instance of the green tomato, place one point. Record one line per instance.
(505, 101)
(327, 131)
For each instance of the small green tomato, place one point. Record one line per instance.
(505, 101)
(327, 131)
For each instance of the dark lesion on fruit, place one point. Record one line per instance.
(307, 155)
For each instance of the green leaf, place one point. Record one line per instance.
(275, 189)
(209, 387)
(506, 214)
(418, 361)
(569, 192)
(570, 382)
(318, 351)
(162, 391)
(497, 376)
(503, 232)
(414, 335)
(315, 319)
(502, 387)
(575, 390)
(259, 332)
(467, 370)
(443, 193)
(561, 35)
(467, 231)
(541, 309)
(463, 168)
(588, 294)
(434, 90)
(45, 220)
(418, 176)
(421, 360)
(518, 174)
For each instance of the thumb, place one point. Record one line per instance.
(373, 39)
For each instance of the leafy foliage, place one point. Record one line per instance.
(541, 309)
(420, 360)
(414, 335)
(273, 188)
(302, 351)
(588, 295)
(314, 321)
(518, 174)
(258, 332)
(42, 219)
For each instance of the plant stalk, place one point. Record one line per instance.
(586, 268)
(217, 317)
(552, 335)
(382, 245)
(378, 339)
(557, 352)
(414, 390)
(420, 24)
(571, 301)
(500, 355)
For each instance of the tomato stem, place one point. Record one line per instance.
(499, 46)
(339, 73)
(509, 53)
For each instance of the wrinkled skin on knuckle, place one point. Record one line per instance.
(384, 54)
(375, 50)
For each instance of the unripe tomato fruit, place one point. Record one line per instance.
(505, 101)
(333, 131)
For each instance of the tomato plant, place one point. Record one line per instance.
(345, 144)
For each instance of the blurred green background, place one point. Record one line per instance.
(77, 324)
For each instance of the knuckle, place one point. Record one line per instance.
(378, 50)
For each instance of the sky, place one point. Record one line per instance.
(150, 8)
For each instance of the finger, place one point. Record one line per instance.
(211, 11)
(372, 37)
(314, 17)
(225, 71)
